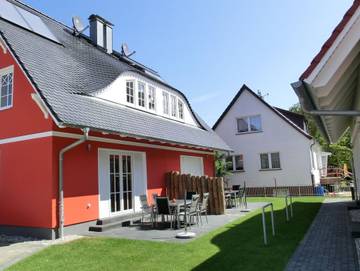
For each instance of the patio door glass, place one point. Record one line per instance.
(120, 183)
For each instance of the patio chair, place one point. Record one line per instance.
(241, 196)
(163, 208)
(146, 209)
(189, 195)
(192, 210)
(203, 207)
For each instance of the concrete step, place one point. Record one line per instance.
(115, 221)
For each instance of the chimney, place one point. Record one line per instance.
(101, 32)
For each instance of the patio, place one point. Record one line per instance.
(164, 233)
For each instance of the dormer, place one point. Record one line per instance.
(139, 92)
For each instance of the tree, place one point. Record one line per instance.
(341, 150)
(221, 165)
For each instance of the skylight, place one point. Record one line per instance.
(25, 19)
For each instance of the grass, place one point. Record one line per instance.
(235, 246)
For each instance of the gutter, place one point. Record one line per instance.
(61, 178)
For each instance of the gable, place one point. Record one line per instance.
(26, 115)
(247, 103)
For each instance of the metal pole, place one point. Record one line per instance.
(264, 226)
(291, 207)
(272, 219)
(286, 209)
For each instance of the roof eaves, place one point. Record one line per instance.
(330, 41)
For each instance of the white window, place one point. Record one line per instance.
(235, 162)
(270, 160)
(6, 91)
(173, 106)
(151, 97)
(249, 124)
(181, 109)
(165, 103)
(130, 91)
(192, 165)
(141, 94)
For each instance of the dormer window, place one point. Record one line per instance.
(6, 91)
(151, 98)
(141, 94)
(130, 91)
(173, 106)
(165, 103)
(181, 109)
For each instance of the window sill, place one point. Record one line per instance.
(252, 132)
(270, 169)
(5, 107)
(238, 171)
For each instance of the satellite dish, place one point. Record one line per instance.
(78, 25)
(125, 50)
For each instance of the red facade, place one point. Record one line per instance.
(29, 166)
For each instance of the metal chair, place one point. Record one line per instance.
(203, 207)
(192, 210)
(189, 195)
(163, 208)
(146, 209)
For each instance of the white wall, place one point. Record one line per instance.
(277, 136)
(116, 92)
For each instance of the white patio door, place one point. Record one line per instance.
(122, 179)
(121, 182)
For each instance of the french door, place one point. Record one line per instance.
(121, 183)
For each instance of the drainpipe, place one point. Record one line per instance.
(61, 181)
(312, 162)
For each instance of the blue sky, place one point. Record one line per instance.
(209, 48)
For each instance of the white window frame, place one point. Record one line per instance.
(133, 91)
(270, 161)
(247, 118)
(138, 96)
(165, 104)
(7, 71)
(151, 96)
(181, 114)
(233, 161)
(173, 106)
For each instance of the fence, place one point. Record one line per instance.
(177, 184)
(272, 191)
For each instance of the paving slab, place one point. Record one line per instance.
(147, 232)
(328, 244)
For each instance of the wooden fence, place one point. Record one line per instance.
(177, 184)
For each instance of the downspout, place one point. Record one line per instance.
(312, 162)
(61, 177)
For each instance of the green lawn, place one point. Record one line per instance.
(235, 246)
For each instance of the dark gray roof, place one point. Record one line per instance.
(67, 74)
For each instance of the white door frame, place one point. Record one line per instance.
(139, 180)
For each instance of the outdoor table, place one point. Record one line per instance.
(177, 206)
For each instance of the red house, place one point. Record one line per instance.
(84, 129)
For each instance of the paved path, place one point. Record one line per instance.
(15, 248)
(328, 244)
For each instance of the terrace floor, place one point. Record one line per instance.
(165, 234)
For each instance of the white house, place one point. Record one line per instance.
(271, 146)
